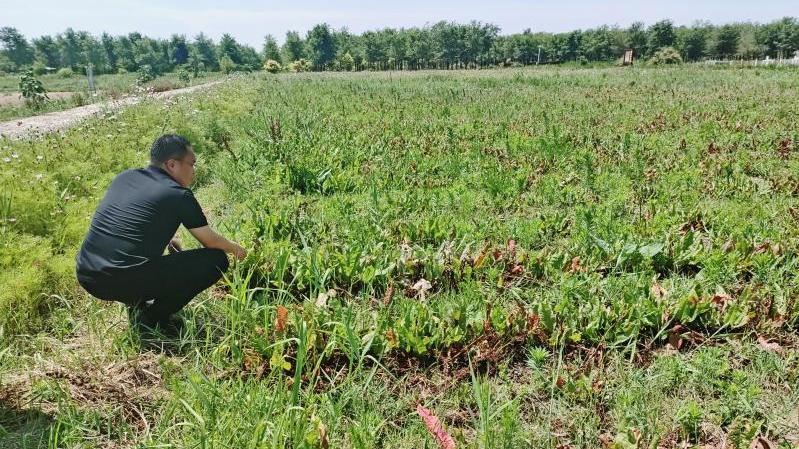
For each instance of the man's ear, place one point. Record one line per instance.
(169, 165)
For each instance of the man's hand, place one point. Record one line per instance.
(174, 246)
(239, 251)
(211, 239)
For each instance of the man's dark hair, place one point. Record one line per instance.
(168, 146)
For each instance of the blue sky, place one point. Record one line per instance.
(249, 21)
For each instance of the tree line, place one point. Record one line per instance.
(444, 45)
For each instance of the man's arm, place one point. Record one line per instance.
(211, 239)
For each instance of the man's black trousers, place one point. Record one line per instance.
(162, 286)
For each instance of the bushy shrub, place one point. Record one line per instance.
(29, 272)
(272, 66)
(184, 76)
(122, 71)
(145, 74)
(226, 65)
(346, 62)
(65, 72)
(79, 98)
(39, 68)
(666, 55)
(32, 89)
(300, 65)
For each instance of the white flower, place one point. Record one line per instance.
(77, 178)
(15, 155)
(39, 157)
(6, 159)
(38, 176)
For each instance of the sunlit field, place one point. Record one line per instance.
(547, 258)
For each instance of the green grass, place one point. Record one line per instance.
(107, 86)
(513, 249)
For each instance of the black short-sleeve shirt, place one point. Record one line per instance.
(135, 221)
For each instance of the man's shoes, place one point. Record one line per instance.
(145, 324)
(172, 325)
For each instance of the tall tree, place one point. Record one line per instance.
(178, 49)
(780, 38)
(748, 46)
(725, 42)
(230, 48)
(206, 51)
(637, 39)
(46, 51)
(692, 41)
(294, 47)
(250, 59)
(69, 47)
(321, 46)
(660, 34)
(92, 52)
(110, 53)
(14, 46)
(270, 49)
(126, 58)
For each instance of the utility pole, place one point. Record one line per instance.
(90, 74)
(539, 56)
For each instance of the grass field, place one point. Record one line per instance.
(107, 86)
(542, 258)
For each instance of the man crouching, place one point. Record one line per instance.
(122, 257)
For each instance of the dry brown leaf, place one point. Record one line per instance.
(728, 246)
(762, 248)
(575, 265)
(675, 337)
(769, 346)
(721, 299)
(389, 294)
(487, 328)
(323, 440)
(421, 287)
(762, 443)
(657, 290)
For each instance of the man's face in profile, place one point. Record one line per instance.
(182, 170)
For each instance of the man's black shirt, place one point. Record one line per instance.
(135, 221)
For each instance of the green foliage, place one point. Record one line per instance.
(32, 89)
(666, 56)
(38, 68)
(300, 65)
(65, 72)
(226, 65)
(430, 238)
(272, 66)
(346, 62)
(184, 76)
(321, 46)
(145, 75)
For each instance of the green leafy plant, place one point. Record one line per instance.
(32, 90)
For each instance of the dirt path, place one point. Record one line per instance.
(54, 121)
(15, 98)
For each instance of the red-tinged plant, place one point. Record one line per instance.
(434, 426)
(282, 318)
